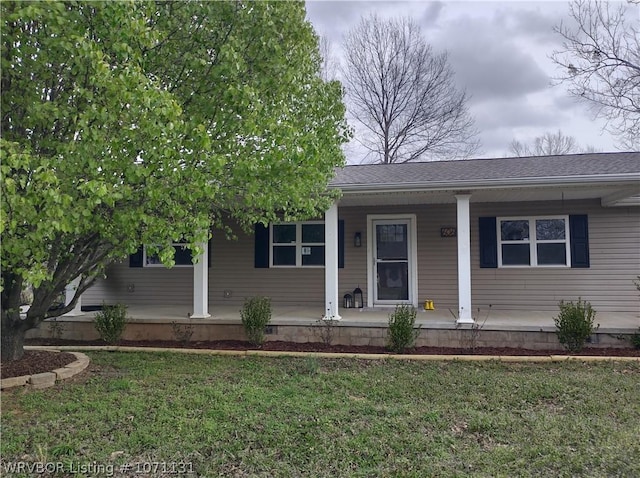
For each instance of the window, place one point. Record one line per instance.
(183, 257)
(299, 244)
(533, 241)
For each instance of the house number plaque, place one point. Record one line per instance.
(447, 232)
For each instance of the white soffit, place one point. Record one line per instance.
(568, 193)
(622, 199)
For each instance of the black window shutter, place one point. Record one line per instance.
(579, 238)
(488, 243)
(209, 253)
(135, 260)
(341, 243)
(261, 257)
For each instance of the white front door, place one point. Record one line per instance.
(392, 265)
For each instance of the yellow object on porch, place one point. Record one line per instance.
(428, 305)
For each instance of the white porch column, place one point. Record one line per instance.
(69, 293)
(201, 285)
(464, 260)
(331, 263)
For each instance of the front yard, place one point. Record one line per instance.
(152, 413)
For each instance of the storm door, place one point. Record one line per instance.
(392, 261)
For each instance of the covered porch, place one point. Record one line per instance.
(428, 232)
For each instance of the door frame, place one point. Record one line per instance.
(412, 261)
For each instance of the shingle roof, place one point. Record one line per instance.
(553, 168)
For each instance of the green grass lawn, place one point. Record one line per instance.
(255, 416)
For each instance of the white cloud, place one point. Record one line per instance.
(431, 14)
(499, 52)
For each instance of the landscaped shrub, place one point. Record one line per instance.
(182, 332)
(574, 324)
(111, 321)
(635, 340)
(325, 330)
(56, 329)
(256, 315)
(402, 334)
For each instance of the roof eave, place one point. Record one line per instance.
(556, 181)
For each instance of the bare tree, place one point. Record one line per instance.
(330, 65)
(403, 95)
(600, 58)
(548, 144)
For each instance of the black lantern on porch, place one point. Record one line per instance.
(347, 301)
(357, 298)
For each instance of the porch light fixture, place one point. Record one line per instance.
(357, 240)
(357, 298)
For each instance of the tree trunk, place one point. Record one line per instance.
(12, 336)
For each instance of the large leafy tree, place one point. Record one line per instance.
(148, 122)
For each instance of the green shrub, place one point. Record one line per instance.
(635, 340)
(111, 321)
(325, 330)
(574, 324)
(182, 332)
(402, 334)
(256, 315)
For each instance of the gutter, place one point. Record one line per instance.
(467, 184)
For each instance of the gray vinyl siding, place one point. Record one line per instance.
(614, 238)
(233, 270)
(614, 246)
(142, 285)
(437, 256)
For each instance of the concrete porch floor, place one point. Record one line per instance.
(507, 320)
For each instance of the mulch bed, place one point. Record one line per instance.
(36, 361)
(45, 361)
(320, 347)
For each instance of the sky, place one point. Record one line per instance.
(499, 52)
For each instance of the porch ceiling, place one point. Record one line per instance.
(512, 194)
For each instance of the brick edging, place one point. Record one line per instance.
(278, 353)
(48, 379)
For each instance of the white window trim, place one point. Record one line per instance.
(174, 244)
(533, 242)
(298, 243)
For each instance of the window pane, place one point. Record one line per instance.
(284, 256)
(552, 254)
(393, 280)
(313, 233)
(284, 233)
(549, 229)
(514, 230)
(153, 259)
(391, 241)
(392, 232)
(182, 256)
(313, 256)
(515, 255)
